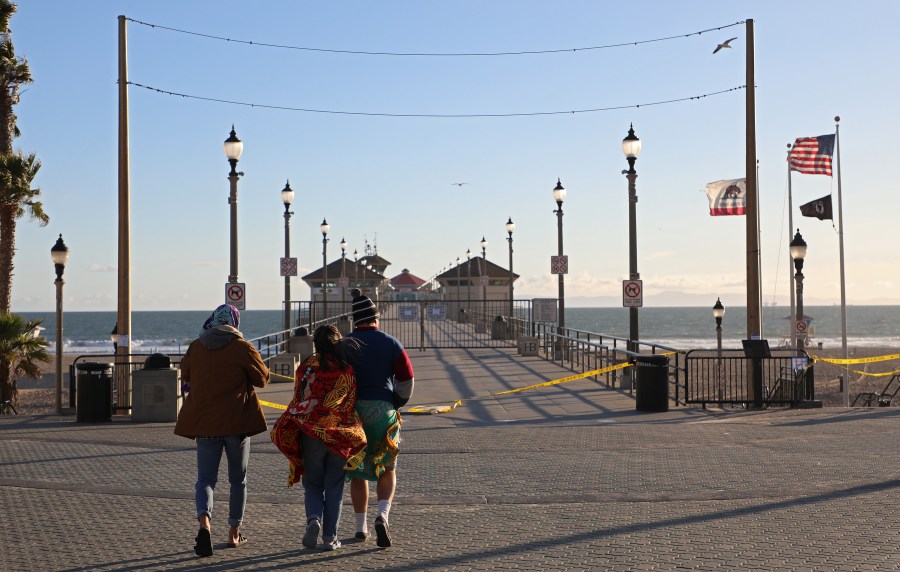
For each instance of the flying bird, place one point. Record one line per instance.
(724, 44)
(459, 184)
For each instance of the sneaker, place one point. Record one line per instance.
(383, 533)
(330, 546)
(361, 536)
(312, 534)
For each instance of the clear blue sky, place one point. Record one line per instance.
(390, 179)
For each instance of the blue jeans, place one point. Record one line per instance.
(323, 481)
(209, 454)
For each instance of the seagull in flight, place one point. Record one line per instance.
(459, 184)
(724, 44)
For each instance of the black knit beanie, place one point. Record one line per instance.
(364, 309)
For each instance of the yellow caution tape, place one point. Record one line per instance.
(885, 374)
(272, 405)
(566, 379)
(856, 360)
(282, 376)
(432, 409)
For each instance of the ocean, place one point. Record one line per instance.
(681, 328)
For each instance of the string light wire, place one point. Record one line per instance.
(427, 54)
(432, 115)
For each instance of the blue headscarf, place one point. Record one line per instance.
(226, 315)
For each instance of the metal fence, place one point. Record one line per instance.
(785, 378)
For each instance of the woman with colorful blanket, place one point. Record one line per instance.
(321, 434)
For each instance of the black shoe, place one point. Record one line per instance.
(204, 543)
(361, 536)
(312, 534)
(383, 533)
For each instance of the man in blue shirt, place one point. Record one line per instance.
(384, 383)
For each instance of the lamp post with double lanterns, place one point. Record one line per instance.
(59, 253)
(287, 197)
(631, 147)
(324, 229)
(718, 314)
(510, 227)
(234, 148)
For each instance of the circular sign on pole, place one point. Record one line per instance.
(235, 293)
(801, 326)
(632, 293)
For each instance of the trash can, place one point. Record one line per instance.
(155, 391)
(93, 391)
(499, 329)
(652, 382)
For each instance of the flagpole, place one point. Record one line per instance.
(791, 279)
(837, 141)
(762, 307)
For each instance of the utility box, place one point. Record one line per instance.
(284, 367)
(155, 395)
(527, 346)
(300, 344)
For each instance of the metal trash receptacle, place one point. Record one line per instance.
(93, 391)
(652, 383)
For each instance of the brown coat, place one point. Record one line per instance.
(222, 400)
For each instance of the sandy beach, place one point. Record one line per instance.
(39, 398)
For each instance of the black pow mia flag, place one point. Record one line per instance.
(819, 208)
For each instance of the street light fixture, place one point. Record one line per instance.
(484, 279)
(343, 286)
(234, 148)
(798, 253)
(718, 314)
(510, 227)
(559, 195)
(469, 283)
(287, 197)
(631, 146)
(324, 229)
(59, 253)
(356, 268)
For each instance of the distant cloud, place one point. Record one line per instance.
(661, 254)
(102, 268)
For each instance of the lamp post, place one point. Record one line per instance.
(59, 253)
(469, 283)
(324, 228)
(458, 305)
(631, 146)
(718, 314)
(287, 197)
(234, 148)
(510, 227)
(484, 279)
(559, 195)
(343, 276)
(356, 268)
(798, 253)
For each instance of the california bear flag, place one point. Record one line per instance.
(727, 197)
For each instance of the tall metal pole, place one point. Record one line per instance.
(123, 315)
(793, 286)
(469, 283)
(59, 337)
(844, 352)
(458, 305)
(232, 202)
(798, 277)
(324, 228)
(287, 254)
(484, 279)
(718, 314)
(343, 287)
(510, 226)
(752, 234)
(561, 322)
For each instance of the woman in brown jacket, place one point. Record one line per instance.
(221, 412)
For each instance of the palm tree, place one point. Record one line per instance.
(14, 73)
(17, 198)
(21, 353)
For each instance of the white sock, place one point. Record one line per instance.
(384, 507)
(360, 521)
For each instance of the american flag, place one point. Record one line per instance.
(812, 155)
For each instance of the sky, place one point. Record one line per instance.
(389, 180)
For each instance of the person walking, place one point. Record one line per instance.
(384, 381)
(320, 433)
(220, 413)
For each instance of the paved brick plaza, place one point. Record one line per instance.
(568, 477)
